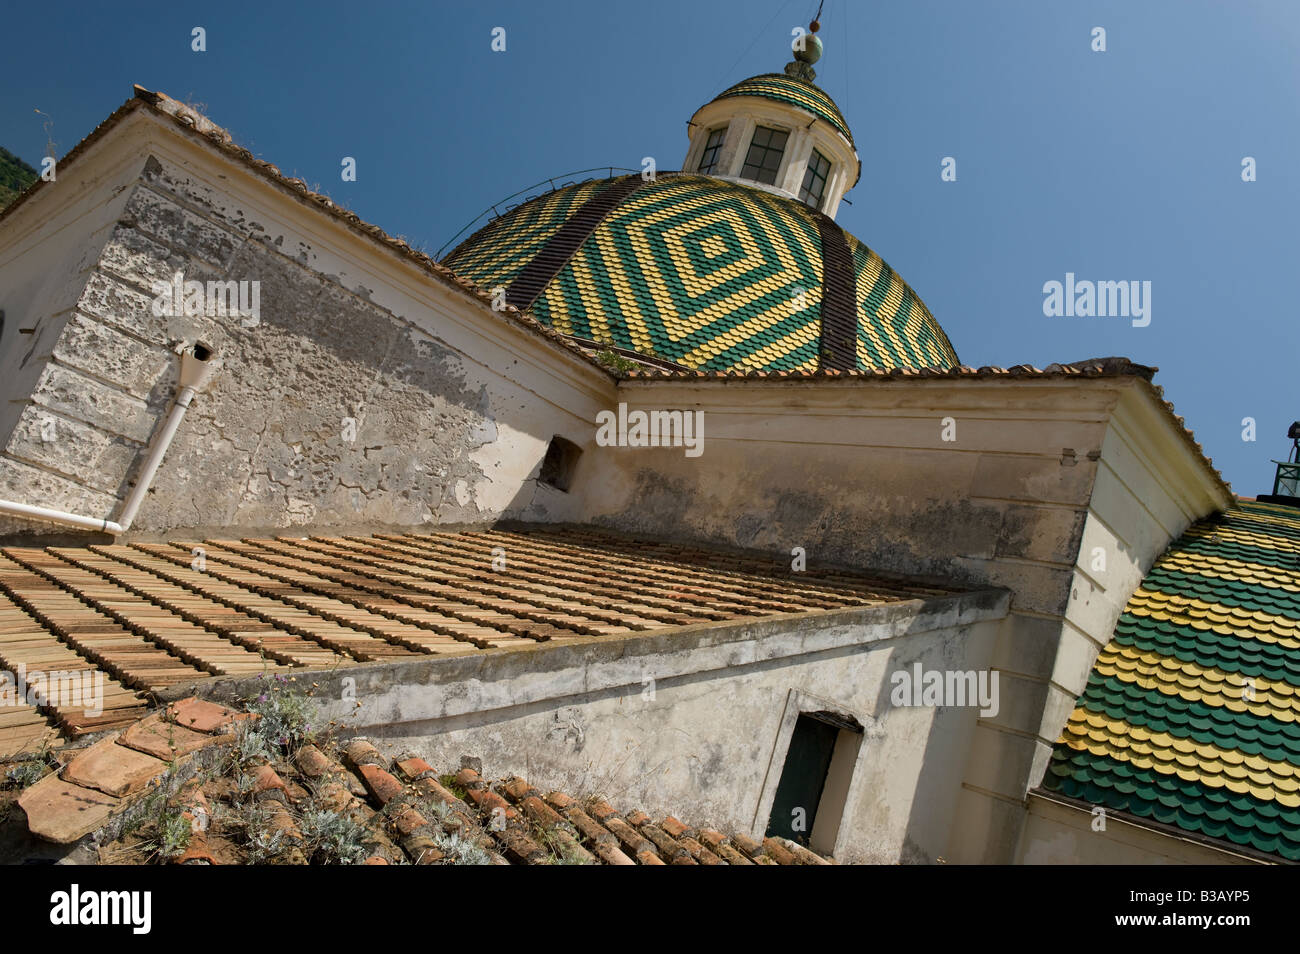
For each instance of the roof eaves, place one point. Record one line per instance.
(1114, 367)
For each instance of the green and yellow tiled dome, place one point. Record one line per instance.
(1191, 716)
(705, 273)
(794, 92)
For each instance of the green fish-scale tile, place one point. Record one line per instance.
(1233, 817)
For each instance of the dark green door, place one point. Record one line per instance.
(802, 779)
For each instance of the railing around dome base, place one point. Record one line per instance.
(564, 180)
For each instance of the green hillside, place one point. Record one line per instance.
(15, 176)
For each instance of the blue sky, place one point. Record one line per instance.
(1122, 165)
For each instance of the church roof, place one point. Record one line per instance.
(706, 273)
(1191, 716)
(794, 92)
(149, 617)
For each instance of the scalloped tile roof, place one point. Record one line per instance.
(795, 92)
(1191, 716)
(704, 273)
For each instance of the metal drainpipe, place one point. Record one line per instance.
(196, 370)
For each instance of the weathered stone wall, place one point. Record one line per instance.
(327, 408)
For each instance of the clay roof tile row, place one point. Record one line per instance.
(406, 812)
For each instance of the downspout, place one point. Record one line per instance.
(196, 370)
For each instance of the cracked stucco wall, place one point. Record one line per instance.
(327, 409)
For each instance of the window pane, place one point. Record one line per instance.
(709, 160)
(814, 179)
(764, 156)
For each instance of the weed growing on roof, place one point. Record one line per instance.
(251, 824)
(562, 850)
(29, 769)
(615, 362)
(285, 714)
(265, 846)
(450, 784)
(160, 816)
(249, 748)
(331, 838)
(457, 849)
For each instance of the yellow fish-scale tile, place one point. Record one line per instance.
(1265, 703)
(1206, 761)
(1239, 570)
(1206, 679)
(1284, 632)
(1231, 535)
(1272, 629)
(1257, 762)
(868, 274)
(1092, 718)
(1259, 512)
(733, 304)
(559, 311)
(634, 321)
(747, 330)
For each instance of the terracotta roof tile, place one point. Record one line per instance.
(146, 617)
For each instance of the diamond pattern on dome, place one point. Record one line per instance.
(895, 329)
(1191, 715)
(709, 274)
(793, 92)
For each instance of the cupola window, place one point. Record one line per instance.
(814, 180)
(764, 158)
(709, 161)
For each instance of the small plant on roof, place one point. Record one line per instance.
(285, 713)
(251, 824)
(460, 850)
(562, 850)
(250, 747)
(160, 816)
(614, 361)
(332, 839)
(450, 784)
(29, 768)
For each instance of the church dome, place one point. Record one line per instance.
(704, 272)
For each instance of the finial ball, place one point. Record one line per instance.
(812, 50)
